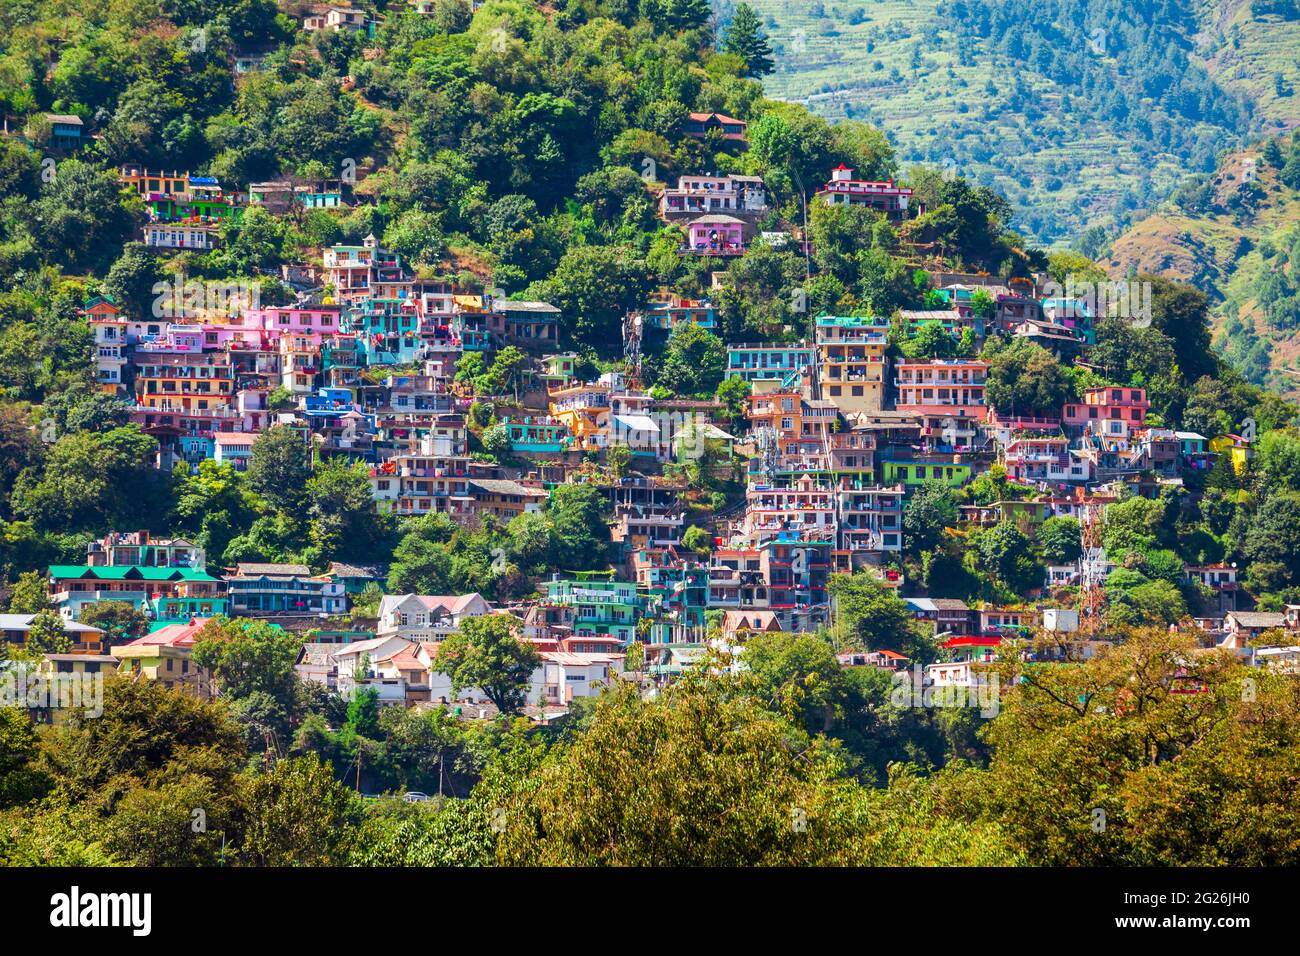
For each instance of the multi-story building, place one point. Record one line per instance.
(1109, 411)
(86, 640)
(165, 594)
(887, 197)
(869, 524)
(948, 395)
(668, 311)
(602, 606)
(532, 325)
(112, 359)
(781, 362)
(199, 236)
(357, 272)
(139, 549)
(505, 497)
(166, 656)
(1044, 458)
(270, 589)
(803, 507)
(700, 195)
(184, 381)
(429, 482)
(584, 412)
(790, 425)
(851, 361)
(426, 617)
(716, 234)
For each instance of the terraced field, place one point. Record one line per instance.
(955, 101)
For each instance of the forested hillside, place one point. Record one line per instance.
(1234, 232)
(1082, 112)
(646, 521)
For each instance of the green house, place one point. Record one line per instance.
(602, 605)
(915, 473)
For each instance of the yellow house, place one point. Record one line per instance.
(1235, 446)
(851, 361)
(84, 668)
(584, 411)
(165, 656)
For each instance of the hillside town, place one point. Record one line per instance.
(447, 433)
(832, 436)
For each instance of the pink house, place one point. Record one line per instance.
(716, 235)
(943, 387)
(313, 323)
(1121, 409)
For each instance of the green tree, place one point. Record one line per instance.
(485, 653)
(29, 595)
(21, 779)
(279, 467)
(297, 815)
(870, 614)
(1061, 539)
(1026, 379)
(931, 508)
(94, 482)
(246, 657)
(1004, 552)
(693, 361)
(121, 621)
(579, 529)
(344, 522)
(47, 635)
(745, 38)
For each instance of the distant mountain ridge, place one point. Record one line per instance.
(1236, 235)
(1083, 112)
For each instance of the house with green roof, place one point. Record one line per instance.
(167, 595)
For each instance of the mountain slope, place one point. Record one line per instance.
(1080, 111)
(1235, 234)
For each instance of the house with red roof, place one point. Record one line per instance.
(165, 656)
(700, 125)
(886, 197)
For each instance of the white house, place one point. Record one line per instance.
(426, 617)
(564, 676)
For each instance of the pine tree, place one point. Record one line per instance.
(689, 14)
(745, 38)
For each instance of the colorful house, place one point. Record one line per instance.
(602, 606)
(843, 190)
(700, 125)
(284, 589)
(766, 361)
(913, 472)
(716, 235)
(166, 594)
(14, 629)
(584, 412)
(537, 435)
(165, 655)
(1107, 411)
(66, 130)
(851, 361)
(1236, 448)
